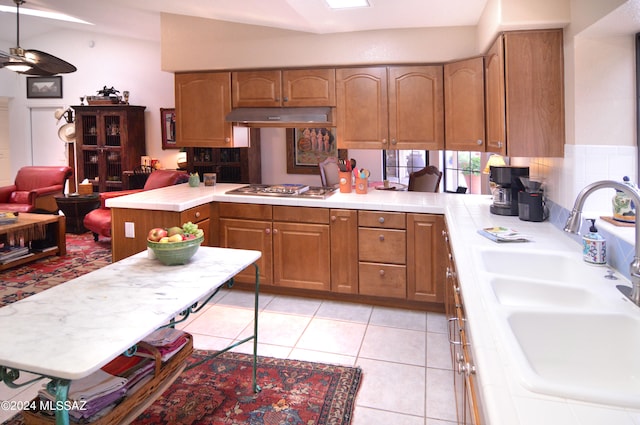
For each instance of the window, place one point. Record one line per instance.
(397, 164)
(462, 169)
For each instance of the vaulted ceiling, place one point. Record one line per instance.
(141, 18)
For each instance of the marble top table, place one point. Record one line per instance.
(73, 329)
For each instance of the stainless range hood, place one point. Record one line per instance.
(281, 117)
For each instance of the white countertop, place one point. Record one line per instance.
(182, 197)
(505, 398)
(73, 329)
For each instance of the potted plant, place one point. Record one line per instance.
(471, 170)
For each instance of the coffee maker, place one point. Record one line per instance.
(507, 185)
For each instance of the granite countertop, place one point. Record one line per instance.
(505, 398)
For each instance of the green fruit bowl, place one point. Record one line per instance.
(174, 253)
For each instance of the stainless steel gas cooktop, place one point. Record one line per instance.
(284, 190)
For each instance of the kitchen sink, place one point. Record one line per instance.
(516, 292)
(546, 266)
(589, 357)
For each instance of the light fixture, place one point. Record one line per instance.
(66, 113)
(494, 160)
(347, 4)
(17, 65)
(44, 14)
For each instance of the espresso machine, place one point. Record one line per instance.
(507, 185)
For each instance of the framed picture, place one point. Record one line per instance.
(44, 87)
(168, 124)
(306, 147)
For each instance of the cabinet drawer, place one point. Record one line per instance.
(248, 211)
(383, 280)
(301, 214)
(196, 214)
(382, 245)
(384, 219)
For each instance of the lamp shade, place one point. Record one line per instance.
(494, 161)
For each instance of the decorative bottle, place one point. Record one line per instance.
(594, 246)
(623, 207)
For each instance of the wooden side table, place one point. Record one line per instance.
(75, 207)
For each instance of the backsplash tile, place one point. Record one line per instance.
(565, 177)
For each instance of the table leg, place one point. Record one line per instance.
(61, 387)
(62, 242)
(256, 388)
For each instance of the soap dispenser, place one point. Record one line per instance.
(594, 245)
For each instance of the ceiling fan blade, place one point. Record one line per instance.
(48, 63)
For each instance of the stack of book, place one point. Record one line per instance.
(96, 395)
(12, 253)
(7, 217)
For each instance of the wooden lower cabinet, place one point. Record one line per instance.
(382, 254)
(301, 256)
(294, 241)
(248, 226)
(468, 407)
(145, 220)
(376, 254)
(344, 251)
(426, 258)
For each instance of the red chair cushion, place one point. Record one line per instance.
(19, 197)
(99, 221)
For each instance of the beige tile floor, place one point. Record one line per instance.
(404, 354)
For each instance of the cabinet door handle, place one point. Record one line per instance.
(381, 220)
(384, 141)
(286, 99)
(381, 237)
(479, 142)
(381, 272)
(267, 231)
(451, 325)
(227, 139)
(333, 218)
(197, 214)
(394, 142)
(275, 231)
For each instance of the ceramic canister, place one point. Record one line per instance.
(594, 249)
(194, 180)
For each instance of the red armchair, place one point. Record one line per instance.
(99, 220)
(35, 189)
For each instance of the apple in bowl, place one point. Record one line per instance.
(156, 234)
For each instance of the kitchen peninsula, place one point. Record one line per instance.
(506, 392)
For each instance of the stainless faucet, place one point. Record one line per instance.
(573, 225)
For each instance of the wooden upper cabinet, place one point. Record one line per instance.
(362, 108)
(203, 101)
(495, 98)
(390, 107)
(464, 105)
(256, 88)
(416, 107)
(296, 88)
(309, 87)
(532, 85)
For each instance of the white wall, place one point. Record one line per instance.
(123, 63)
(191, 43)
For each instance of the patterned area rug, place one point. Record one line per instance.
(83, 256)
(219, 391)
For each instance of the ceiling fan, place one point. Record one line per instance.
(32, 62)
